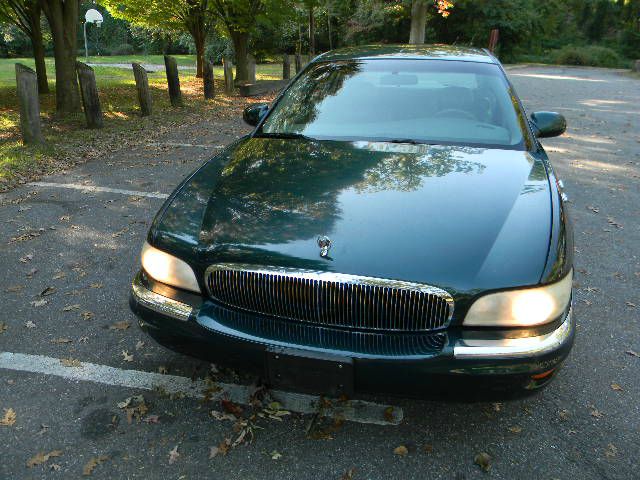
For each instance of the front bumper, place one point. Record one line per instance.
(459, 362)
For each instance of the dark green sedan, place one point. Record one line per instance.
(392, 224)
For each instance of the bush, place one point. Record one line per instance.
(591, 56)
(122, 49)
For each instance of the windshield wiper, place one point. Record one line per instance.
(410, 141)
(284, 135)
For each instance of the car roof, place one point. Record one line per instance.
(411, 52)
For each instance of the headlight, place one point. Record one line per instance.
(168, 269)
(521, 308)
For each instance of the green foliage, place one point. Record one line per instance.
(592, 56)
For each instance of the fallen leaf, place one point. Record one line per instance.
(213, 452)
(55, 467)
(596, 413)
(71, 362)
(633, 353)
(59, 275)
(152, 419)
(61, 340)
(275, 455)
(48, 291)
(3, 327)
(126, 357)
(32, 272)
(515, 429)
(96, 285)
(222, 416)
(616, 387)
(594, 209)
(14, 288)
(9, 417)
(173, 455)
(93, 463)
(26, 258)
(42, 457)
(483, 460)
(348, 475)
(162, 369)
(563, 414)
(497, 406)
(231, 407)
(401, 450)
(65, 218)
(39, 303)
(69, 308)
(611, 451)
(87, 315)
(29, 324)
(630, 304)
(139, 344)
(389, 414)
(120, 325)
(428, 448)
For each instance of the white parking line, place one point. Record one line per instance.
(188, 145)
(92, 188)
(353, 410)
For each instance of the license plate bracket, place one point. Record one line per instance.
(293, 369)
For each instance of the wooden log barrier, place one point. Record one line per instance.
(173, 81)
(209, 85)
(142, 86)
(286, 67)
(228, 76)
(27, 89)
(89, 94)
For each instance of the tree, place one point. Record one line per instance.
(240, 18)
(62, 16)
(25, 14)
(194, 17)
(419, 10)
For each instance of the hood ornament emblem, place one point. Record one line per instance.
(324, 243)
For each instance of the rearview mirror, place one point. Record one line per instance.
(254, 113)
(548, 124)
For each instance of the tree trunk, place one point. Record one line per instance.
(418, 21)
(35, 35)
(312, 32)
(63, 18)
(240, 47)
(38, 55)
(329, 29)
(199, 41)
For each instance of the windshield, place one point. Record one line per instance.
(426, 101)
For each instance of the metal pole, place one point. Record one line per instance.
(86, 49)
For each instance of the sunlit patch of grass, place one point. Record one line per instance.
(18, 162)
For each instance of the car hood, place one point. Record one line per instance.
(464, 219)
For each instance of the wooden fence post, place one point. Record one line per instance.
(142, 86)
(89, 93)
(27, 85)
(493, 40)
(298, 62)
(636, 66)
(228, 75)
(251, 69)
(286, 67)
(173, 81)
(207, 77)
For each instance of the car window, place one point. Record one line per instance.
(431, 101)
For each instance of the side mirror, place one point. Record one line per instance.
(254, 113)
(548, 124)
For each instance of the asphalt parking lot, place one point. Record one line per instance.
(69, 248)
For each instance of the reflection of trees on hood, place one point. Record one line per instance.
(274, 191)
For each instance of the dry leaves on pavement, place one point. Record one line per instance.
(71, 362)
(93, 463)
(42, 457)
(401, 451)
(173, 455)
(483, 460)
(9, 417)
(120, 325)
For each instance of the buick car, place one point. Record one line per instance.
(391, 224)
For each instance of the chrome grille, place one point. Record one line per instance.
(330, 299)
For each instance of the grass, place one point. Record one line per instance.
(68, 141)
